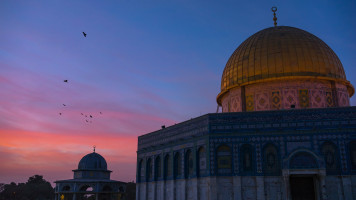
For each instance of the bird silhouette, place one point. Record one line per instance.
(64, 104)
(66, 81)
(60, 113)
(91, 116)
(101, 113)
(85, 35)
(81, 113)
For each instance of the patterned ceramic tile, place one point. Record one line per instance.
(250, 103)
(276, 100)
(303, 98)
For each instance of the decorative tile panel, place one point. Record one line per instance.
(343, 155)
(276, 100)
(329, 99)
(212, 158)
(343, 98)
(259, 158)
(262, 101)
(250, 103)
(281, 139)
(281, 95)
(236, 158)
(317, 99)
(289, 98)
(225, 105)
(224, 159)
(235, 104)
(303, 98)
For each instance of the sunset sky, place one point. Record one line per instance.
(143, 64)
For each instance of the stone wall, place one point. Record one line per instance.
(252, 155)
(242, 188)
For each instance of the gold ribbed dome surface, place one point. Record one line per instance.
(281, 52)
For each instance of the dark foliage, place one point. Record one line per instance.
(36, 188)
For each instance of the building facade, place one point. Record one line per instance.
(91, 181)
(286, 131)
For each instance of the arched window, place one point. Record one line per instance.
(331, 159)
(201, 165)
(352, 146)
(167, 166)
(303, 160)
(158, 169)
(246, 156)
(67, 195)
(66, 188)
(149, 170)
(224, 162)
(189, 164)
(177, 165)
(271, 164)
(86, 192)
(140, 172)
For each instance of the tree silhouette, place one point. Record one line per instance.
(36, 188)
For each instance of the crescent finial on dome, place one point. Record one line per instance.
(274, 10)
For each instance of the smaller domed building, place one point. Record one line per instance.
(91, 181)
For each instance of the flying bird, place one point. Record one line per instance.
(91, 116)
(66, 81)
(85, 35)
(64, 104)
(60, 113)
(101, 113)
(81, 113)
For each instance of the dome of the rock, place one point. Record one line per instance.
(281, 68)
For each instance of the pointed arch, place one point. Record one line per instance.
(149, 170)
(188, 164)
(271, 161)
(224, 160)
(140, 171)
(331, 159)
(303, 160)
(66, 188)
(177, 165)
(247, 158)
(167, 167)
(158, 168)
(201, 162)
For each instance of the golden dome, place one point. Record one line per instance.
(279, 53)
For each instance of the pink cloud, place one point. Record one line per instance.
(35, 139)
(34, 101)
(37, 152)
